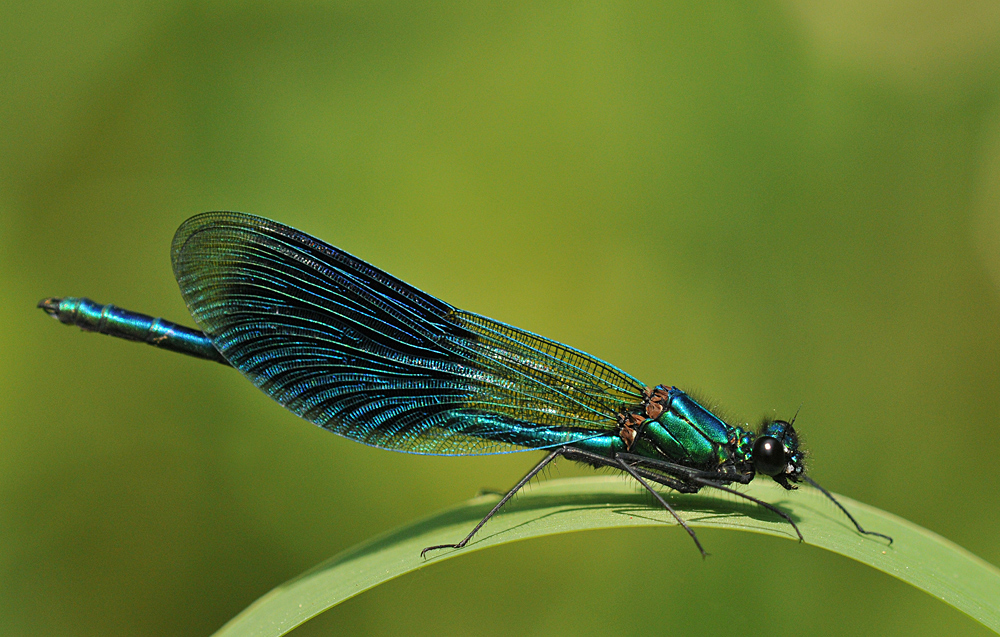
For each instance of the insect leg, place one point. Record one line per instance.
(766, 505)
(628, 468)
(531, 474)
(595, 460)
(841, 507)
(713, 480)
(683, 472)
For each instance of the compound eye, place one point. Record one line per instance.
(769, 456)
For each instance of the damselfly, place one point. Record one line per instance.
(362, 354)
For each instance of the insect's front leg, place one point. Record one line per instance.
(715, 479)
(687, 473)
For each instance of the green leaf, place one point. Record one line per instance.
(918, 556)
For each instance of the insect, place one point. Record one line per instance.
(360, 353)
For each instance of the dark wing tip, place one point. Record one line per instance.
(199, 222)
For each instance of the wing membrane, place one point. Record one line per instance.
(356, 351)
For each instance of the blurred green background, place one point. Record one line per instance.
(774, 203)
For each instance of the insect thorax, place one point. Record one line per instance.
(670, 425)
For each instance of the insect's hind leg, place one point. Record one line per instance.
(517, 487)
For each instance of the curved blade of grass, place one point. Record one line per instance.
(918, 556)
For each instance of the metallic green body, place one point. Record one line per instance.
(364, 355)
(687, 433)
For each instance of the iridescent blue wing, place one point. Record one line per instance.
(356, 351)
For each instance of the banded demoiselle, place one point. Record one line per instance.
(364, 355)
